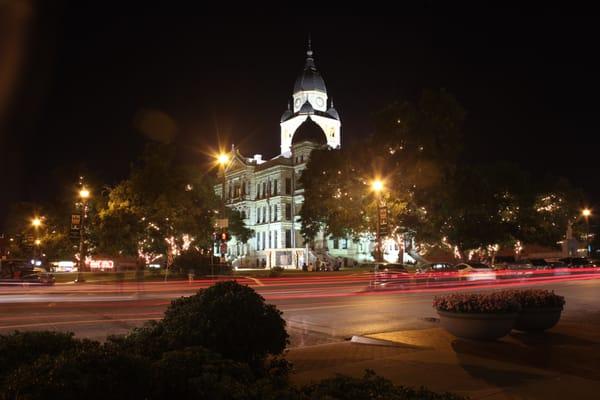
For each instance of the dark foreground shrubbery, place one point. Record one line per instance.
(222, 343)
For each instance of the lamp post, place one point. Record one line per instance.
(377, 186)
(586, 213)
(223, 160)
(36, 222)
(84, 194)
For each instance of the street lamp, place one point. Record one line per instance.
(84, 194)
(586, 213)
(223, 160)
(377, 186)
(36, 222)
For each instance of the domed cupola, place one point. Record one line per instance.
(306, 108)
(333, 112)
(310, 79)
(309, 131)
(287, 114)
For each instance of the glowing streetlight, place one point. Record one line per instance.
(586, 213)
(36, 222)
(223, 159)
(84, 194)
(377, 185)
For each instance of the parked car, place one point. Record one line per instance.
(577, 262)
(510, 263)
(18, 272)
(389, 274)
(539, 263)
(436, 267)
(474, 271)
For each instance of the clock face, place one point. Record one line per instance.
(320, 101)
(298, 102)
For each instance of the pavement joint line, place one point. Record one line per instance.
(359, 339)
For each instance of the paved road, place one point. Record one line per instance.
(317, 309)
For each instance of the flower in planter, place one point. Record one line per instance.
(481, 303)
(537, 298)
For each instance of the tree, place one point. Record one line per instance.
(162, 208)
(414, 148)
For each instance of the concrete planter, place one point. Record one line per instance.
(537, 319)
(477, 326)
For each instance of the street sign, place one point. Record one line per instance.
(222, 223)
(383, 221)
(75, 221)
(75, 232)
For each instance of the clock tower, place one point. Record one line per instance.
(309, 99)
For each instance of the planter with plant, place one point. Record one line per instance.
(540, 309)
(485, 316)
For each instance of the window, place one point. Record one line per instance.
(344, 243)
(269, 240)
(275, 239)
(263, 241)
(243, 213)
(275, 187)
(288, 211)
(288, 238)
(264, 217)
(302, 158)
(264, 189)
(258, 190)
(336, 244)
(275, 213)
(288, 186)
(258, 215)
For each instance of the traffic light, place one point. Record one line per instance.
(225, 237)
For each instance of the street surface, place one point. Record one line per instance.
(318, 309)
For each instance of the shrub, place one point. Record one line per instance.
(276, 272)
(26, 347)
(370, 386)
(228, 318)
(496, 303)
(199, 373)
(537, 298)
(91, 372)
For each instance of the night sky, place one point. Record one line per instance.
(529, 84)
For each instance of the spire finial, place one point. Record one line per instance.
(289, 106)
(331, 99)
(309, 52)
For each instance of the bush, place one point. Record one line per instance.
(26, 347)
(496, 303)
(370, 386)
(228, 318)
(91, 372)
(276, 272)
(199, 373)
(537, 298)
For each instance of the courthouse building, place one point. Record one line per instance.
(268, 193)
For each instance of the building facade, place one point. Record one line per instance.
(268, 193)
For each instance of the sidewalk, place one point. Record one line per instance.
(561, 363)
